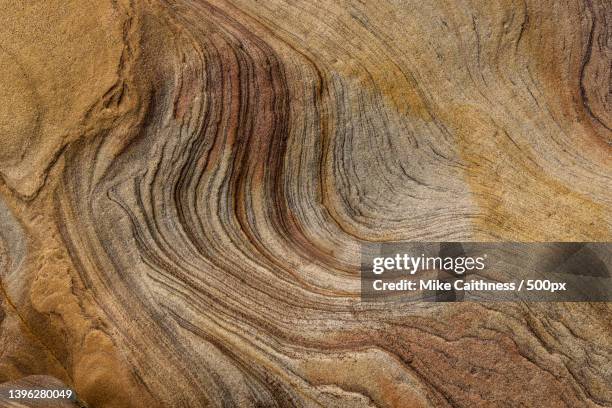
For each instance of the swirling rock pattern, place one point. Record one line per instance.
(185, 185)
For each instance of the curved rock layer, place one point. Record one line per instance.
(186, 185)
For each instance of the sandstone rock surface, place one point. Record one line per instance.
(185, 185)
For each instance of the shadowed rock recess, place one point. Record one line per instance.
(185, 186)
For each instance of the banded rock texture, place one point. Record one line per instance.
(185, 185)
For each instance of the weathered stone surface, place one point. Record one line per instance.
(185, 186)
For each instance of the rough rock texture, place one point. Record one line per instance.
(185, 185)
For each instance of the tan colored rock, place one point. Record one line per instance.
(185, 186)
